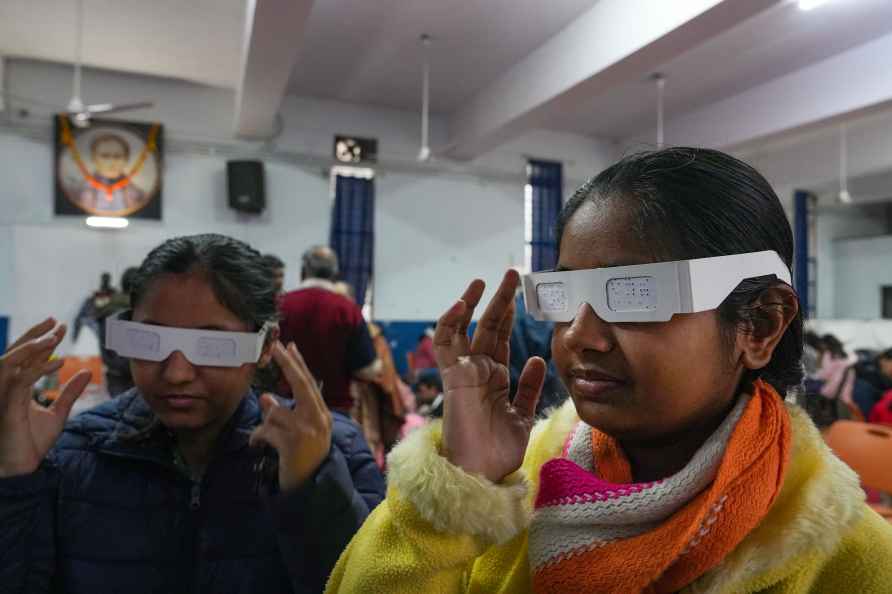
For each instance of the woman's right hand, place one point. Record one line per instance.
(483, 432)
(28, 430)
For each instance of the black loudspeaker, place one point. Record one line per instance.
(246, 187)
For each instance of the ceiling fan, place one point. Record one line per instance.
(79, 112)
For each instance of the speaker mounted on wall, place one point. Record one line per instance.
(246, 186)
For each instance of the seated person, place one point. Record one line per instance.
(423, 355)
(190, 481)
(429, 391)
(882, 410)
(874, 379)
(812, 352)
(676, 465)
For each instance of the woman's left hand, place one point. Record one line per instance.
(301, 436)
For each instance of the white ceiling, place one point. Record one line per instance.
(368, 51)
(769, 45)
(197, 40)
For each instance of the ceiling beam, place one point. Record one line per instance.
(272, 40)
(849, 83)
(615, 42)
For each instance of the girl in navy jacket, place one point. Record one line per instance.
(190, 482)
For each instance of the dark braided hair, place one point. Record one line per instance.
(237, 272)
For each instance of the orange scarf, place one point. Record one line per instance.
(665, 556)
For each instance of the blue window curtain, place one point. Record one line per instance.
(546, 180)
(353, 231)
(804, 263)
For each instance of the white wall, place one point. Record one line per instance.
(437, 226)
(834, 227)
(862, 267)
(435, 234)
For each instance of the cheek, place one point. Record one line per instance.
(559, 354)
(682, 361)
(227, 383)
(145, 374)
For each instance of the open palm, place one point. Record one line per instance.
(28, 430)
(483, 432)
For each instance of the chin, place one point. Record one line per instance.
(181, 420)
(607, 418)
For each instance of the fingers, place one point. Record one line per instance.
(471, 297)
(31, 350)
(267, 403)
(293, 371)
(447, 342)
(303, 386)
(34, 332)
(23, 365)
(21, 382)
(278, 423)
(52, 366)
(503, 341)
(70, 393)
(451, 336)
(486, 337)
(529, 387)
(266, 435)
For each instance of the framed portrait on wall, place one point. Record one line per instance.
(110, 168)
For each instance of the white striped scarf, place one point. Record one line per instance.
(598, 512)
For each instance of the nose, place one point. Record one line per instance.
(178, 369)
(586, 332)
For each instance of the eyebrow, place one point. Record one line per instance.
(618, 264)
(213, 327)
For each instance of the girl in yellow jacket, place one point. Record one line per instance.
(675, 466)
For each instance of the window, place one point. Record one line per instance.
(542, 207)
(352, 235)
(886, 301)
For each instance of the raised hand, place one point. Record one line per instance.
(28, 430)
(302, 436)
(483, 432)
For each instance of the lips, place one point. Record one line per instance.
(180, 401)
(594, 384)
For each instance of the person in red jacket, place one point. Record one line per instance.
(882, 411)
(328, 329)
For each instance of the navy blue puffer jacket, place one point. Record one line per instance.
(110, 511)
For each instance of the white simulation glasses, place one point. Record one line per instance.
(646, 292)
(213, 348)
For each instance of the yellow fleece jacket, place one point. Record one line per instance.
(441, 530)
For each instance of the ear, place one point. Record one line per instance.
(771, 315)
(271, 337)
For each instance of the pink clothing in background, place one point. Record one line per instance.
(424, 354)
(836, 380)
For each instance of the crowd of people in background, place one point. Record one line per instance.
(843, 385)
